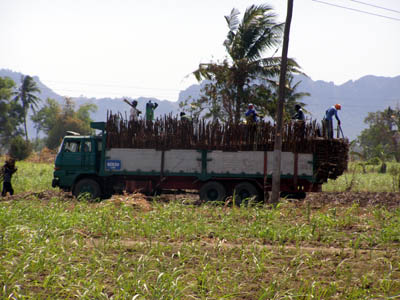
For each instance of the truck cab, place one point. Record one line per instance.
(78, 157)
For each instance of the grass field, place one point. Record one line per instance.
(371, 181)
(55, 247)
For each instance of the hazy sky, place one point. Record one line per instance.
(135, 48)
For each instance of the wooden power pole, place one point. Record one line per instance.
(276, 172)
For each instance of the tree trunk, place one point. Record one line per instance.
(276, 174)
(239, 101)
(396, 148)
(26, 130)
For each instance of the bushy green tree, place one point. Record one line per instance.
(11, 113)
(46, 117)
(27, 96)
(382, 138)
(55, 120)
(238, 78)
(20, 149)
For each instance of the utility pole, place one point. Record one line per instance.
(276, 172)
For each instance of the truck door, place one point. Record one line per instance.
(88, 162)
(71, 157)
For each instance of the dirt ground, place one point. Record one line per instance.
(144, 202)
(349, 198)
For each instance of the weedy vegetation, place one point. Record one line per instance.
(59, 247)
(366, 178)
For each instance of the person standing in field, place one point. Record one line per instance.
(150, 107)
(7, 171)
(328, 119)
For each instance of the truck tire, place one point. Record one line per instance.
(212, 191)
(245, 191)
(89, 186)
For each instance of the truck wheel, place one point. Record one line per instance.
(212, 191)
(89, 186)
(244, 191)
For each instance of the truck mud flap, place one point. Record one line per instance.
(55, 183)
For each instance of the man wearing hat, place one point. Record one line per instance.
(328, 119)
(251, 115)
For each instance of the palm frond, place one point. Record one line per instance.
(266, 38)
(203, 72)
(233, 20)
(233, 23)
(257, 32)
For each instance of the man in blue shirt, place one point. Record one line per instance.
(251, 115)
(330, 112)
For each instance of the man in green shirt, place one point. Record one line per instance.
(150, 107)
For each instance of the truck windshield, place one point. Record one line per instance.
(87, 146)
(72, 146)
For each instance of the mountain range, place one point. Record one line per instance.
(367, 94)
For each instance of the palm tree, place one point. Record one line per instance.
(26, 95)
(292, 97)
(245, 44)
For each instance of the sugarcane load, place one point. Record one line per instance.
(217, 159)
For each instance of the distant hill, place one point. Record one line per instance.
(367, 94)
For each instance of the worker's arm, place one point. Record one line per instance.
(337, 117)
(127, 102)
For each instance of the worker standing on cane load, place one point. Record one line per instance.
(150, 107)
(251, 115)
(134, 113)
(185, 117)
(299, 115)
(7, 171)
(328, 119)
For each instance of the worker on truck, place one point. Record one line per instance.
(251, 115)
(299, 115)
(328, 119)
(185, 117)
(134, 113)
(150, 107)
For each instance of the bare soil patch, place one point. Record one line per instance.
(349, 198)
(144, 202)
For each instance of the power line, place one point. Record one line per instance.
(357, 10)
(376, 6)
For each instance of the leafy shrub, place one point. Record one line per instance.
(375, 161)
(19, 148)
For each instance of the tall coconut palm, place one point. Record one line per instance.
(246, 42)
(26, 94)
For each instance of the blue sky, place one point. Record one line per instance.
(114, 48)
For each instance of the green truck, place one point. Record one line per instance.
(86, 164)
